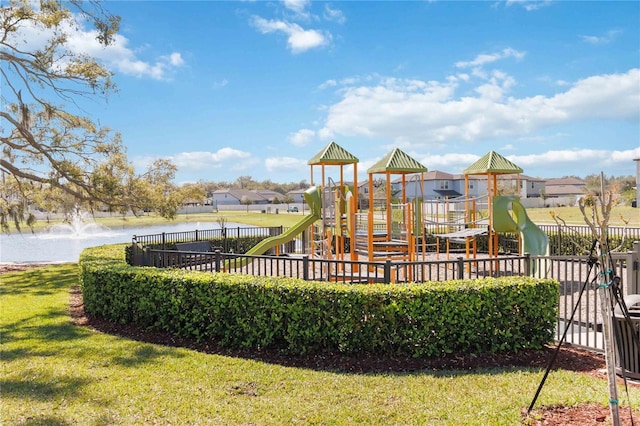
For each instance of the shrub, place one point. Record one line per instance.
(298, 317)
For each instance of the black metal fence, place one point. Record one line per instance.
(165, 238)
(347, 271)
(578, 278)
(579, 309)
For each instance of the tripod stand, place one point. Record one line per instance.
(611, 294)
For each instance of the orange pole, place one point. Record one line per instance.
(370, 224)
(404, 194)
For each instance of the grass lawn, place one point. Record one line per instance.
(119, 222)
(57, 373)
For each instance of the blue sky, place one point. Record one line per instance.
(226, 89)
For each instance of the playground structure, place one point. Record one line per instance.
(343, 225)
(504, 213)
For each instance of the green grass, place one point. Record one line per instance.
(571, 215)
(119, 222)
(55, 373)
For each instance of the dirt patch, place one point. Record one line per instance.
(15, 267)
(568, 358)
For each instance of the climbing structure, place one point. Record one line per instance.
(332, 237)
(506, 213)
(401, 223)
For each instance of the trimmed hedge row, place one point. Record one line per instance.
(299, 317)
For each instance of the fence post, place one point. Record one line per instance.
(305, 268)
(196, 235)
(163, 241)
(527, 264)
(460, 268)
(146, 257)
(633, 270)
(217, 260)
(387, 271)
(224, 239)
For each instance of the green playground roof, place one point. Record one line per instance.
(492, 162)
(397, 162)
(333, 154)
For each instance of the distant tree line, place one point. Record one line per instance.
(248, 183)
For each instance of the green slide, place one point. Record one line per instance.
(312, 195)
(534, 240)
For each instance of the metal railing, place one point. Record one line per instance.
(613, 231)
(165, 238)
(347, 271)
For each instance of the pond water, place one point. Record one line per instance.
(65, 243)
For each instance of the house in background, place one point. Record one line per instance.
(297, 195)
(439, 185)
(564, 191)
(530, 187)
(227, 197)
(270, 196)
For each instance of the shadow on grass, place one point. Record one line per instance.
(44, 328)
(42, 388)
(143, 355)
(44, 421)
(39, 281)
(51, 325)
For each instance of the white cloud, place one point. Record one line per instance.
(278, 164)
(451, 162)
(327, 84)
(117, 56)
(529, 5)
(607, 38)
(423, 113)
(175, 59)
(299, 40)
(334, 15)
(625, 156)
(124, 60)
(302, 137)
(487, 58)
(227, 158)
(602, 96)
(297, 6)
(549, 163)
(576, 157)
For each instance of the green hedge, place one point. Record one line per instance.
(564, 244)
(298, 317)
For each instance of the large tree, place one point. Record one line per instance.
(52, 153)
